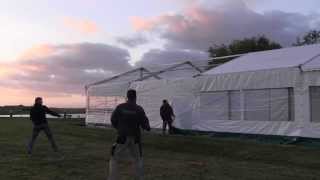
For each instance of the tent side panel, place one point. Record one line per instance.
(185, 95)
(310, 128)
(277, 78)
(180, 94)
(301, 125)
(102, 99)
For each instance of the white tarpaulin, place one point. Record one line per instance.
(180, 93)
(272, 93)
(305, 56)
(102, 101)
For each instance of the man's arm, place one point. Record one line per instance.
(115, 117)
(51, 112)
(144, 121)
(171, 112)
(31, 115)
(161, 112)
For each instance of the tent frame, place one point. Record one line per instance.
(141, 70)
(151, 74)
(157, 73)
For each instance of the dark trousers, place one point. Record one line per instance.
(36, 130)
(119, 151)
(165, 124)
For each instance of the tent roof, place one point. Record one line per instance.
(306, 57)
(182, 69)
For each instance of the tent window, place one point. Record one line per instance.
(234, 105)
(214, 106)
(315, 103)
(100, 108)
(104, 104)
(251, 105)
(256, 105)
(268, 104)
(224, 105)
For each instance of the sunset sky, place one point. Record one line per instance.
(52, 48)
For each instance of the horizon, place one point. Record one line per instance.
(53, 48)
(21, 105)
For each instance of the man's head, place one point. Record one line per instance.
(38, 101)
(132, 95)
(165, 101)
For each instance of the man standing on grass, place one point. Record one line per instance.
(128, 118)
(38, 116)
(167, 115)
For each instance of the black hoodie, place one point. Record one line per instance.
(38, 114)
(166, 112)
(128, 118)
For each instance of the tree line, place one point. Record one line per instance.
(254, 44)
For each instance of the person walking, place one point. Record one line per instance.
(38, 117)
(167, 115)
(128, 119)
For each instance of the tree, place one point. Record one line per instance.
(311, 37)
(260, 43)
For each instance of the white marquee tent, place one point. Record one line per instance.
(273, 92)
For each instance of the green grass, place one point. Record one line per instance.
(86, 152)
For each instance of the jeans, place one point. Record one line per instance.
(36, 130)
(118, 152)
(164, 126)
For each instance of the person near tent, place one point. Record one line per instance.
(38, 117)
(167, 115)
(128, 119)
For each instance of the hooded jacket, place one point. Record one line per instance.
(128, 118)
(166, 112)
(38, 114)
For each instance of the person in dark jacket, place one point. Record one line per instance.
(38, 117)
(167, 115)
(128, 119)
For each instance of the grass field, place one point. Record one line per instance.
(86, 151)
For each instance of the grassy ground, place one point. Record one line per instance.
(86, 151)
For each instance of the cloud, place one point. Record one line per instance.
(80, 25)
(66, 68)
(171, 22)
(16, 96)
(200, 25)
(157, 59)
(140, 24)
(132, 41)
(37, 51)
(5, 70)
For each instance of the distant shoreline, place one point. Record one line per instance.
(21, 109)
(70, 116)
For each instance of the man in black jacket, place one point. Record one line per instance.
(38, 116)
(167, 115)
(128, 118)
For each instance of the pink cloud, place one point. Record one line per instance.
(204, 23)
(5, 70)
(142, 24)
(170, 22)
(193, 14)
(59, 72)
(37, 51)
(14, 96)
(197, 13)
(82, 26)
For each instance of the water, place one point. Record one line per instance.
(48, 116)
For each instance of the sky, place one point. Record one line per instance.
(52, 48)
